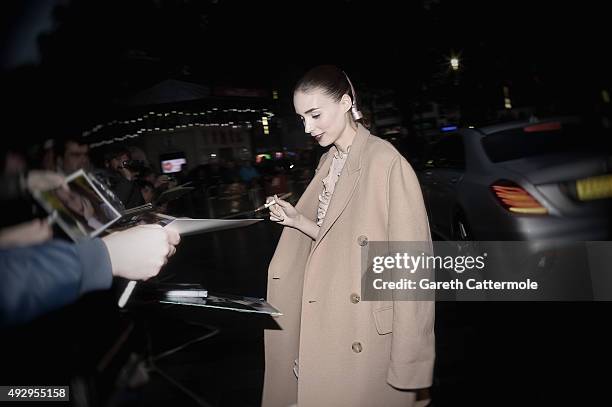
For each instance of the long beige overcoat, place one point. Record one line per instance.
(351, 352)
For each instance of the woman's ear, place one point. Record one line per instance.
(346, 103)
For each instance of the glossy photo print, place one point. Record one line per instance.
(79, 208)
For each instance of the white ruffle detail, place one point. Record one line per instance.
(329, 183)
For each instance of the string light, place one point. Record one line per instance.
(89, 132)
(265, 115)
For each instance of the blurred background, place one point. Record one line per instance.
(503, 109)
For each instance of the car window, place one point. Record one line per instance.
(449, 152)
(531, 141)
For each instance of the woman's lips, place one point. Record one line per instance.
(318, 137)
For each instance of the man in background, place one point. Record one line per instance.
(73, 155)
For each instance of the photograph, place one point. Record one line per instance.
(227, 302)
(82, 211)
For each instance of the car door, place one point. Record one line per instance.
(448, 168)
(426, 179)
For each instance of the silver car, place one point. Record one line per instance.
(529, 180)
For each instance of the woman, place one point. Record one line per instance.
(333, 348)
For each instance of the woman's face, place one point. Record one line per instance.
(72, 200)
(324, 118)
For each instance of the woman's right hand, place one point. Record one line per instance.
(283, 212)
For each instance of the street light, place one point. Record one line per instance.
(454, 63)
(507, 100)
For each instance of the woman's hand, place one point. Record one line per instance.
(283, 212)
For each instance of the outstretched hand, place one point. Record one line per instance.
(24, 234)
(38, 181)
(283, 212)
(140, 252)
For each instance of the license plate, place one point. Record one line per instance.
(599, 187)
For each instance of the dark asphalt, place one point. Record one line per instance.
(494, 354)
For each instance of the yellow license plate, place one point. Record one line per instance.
(599, 187)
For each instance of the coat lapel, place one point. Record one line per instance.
(346, 183)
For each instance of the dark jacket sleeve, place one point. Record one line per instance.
(40, 278)
(128, 192)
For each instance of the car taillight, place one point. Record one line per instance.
(535, 128)
(516, 199)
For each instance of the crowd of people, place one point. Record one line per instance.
(42, 267)
(233, 188)
(28, 238)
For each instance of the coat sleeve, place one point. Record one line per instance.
(41, 278)
(413, 341)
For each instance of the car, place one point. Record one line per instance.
(537, 179)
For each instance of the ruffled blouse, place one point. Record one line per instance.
(329, 183)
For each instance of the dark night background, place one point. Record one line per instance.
(69, 65)
(66, 63)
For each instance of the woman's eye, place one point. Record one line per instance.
(315, 116)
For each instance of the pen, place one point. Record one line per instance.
(273, 201)
(126, 293)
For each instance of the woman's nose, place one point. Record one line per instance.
(307, 126)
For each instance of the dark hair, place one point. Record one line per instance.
(61, 144)
(115, 152)
(327, 77)
(332, 80)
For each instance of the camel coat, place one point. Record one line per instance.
(351, 352)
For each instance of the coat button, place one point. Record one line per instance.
(357, 348)
(362, 240)
(355, 298)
